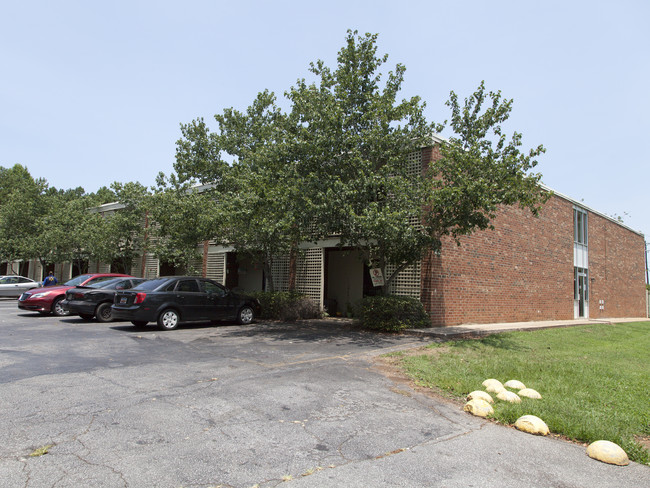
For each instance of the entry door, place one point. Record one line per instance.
(581, 305)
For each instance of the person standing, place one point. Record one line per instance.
(50, 280)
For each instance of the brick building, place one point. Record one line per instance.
(569, 262)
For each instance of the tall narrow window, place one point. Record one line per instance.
(580, 226)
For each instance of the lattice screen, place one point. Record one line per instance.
(414, 162)
(280, 270)
(407, 281)
(216, 267)
(310, 273)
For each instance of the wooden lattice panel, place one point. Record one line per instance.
(310, 274)
(414, 164)
(407, 281)
(280, 270)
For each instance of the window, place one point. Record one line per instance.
(188, 285)
(581, 284)
(580, 226)
(214, 289)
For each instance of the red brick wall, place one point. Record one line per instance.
(523, 270)
(616, 270)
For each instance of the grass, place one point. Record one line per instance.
(41, 451)
(594, 380)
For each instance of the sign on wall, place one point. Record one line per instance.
(377, 277)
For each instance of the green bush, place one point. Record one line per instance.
(392, 313)
(286, 305)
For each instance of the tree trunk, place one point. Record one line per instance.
(268, 273)
(293, 265)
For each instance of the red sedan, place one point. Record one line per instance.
(48, 299)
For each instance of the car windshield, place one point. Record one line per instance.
(77, 280)
(150, 285)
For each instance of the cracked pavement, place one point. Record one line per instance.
(265, 405)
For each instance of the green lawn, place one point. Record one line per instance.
(594, 380)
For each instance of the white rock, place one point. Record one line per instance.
(478, 407)
(530, 393)
(608, 452)
(509, 396)
(481, 395)
(532, 425)
(517, 385)
(493, 386)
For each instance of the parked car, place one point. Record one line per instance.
(95, 299)
(175, 299)
(48, 300)
(14, 286)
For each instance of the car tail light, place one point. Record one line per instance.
(139, 298)
(77, 296)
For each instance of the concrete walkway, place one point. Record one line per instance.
(475, 330)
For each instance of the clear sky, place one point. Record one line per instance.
(95, 92)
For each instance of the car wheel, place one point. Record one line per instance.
(57, 309)
(86, 317)
(139, 323)
(103, 313)
(245, 315)
(168, 319)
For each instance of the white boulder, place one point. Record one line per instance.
(508, 396)
(530, 393)
(480, 395)
(515, 384)
(478, 407)
(493, 386)
(532, 425)
(608, 452)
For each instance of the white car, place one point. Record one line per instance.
(14, 286)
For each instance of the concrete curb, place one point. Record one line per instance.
(481, 330)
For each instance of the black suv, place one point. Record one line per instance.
(174, 299)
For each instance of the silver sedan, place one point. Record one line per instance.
(14, 286)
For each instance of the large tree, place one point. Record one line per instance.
(24, 204)
(264, 208)
(75, 232)
(126, 227)
(338, 164)
(359, 136)
(182, 217)
(481, 169)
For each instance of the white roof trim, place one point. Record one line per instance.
(589, 209)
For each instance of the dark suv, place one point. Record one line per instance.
(175, 299)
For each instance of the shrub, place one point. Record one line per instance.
(392, 313)
(286, 305)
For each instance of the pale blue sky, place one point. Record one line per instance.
(93, 92)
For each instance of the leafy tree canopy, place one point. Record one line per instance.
(337, 163)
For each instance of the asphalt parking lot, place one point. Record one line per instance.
(295, 405)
